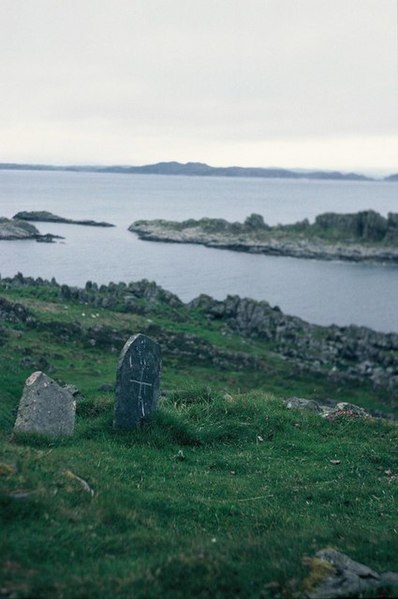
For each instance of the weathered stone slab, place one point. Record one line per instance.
(137, 382)
(45, 407)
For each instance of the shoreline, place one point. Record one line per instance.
(341, 353)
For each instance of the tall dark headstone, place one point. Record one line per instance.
(137, 382)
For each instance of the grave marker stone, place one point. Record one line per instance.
(137, 382)
(45, 407)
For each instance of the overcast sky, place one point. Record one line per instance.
(293, 83)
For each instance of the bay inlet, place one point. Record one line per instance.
(317, 291)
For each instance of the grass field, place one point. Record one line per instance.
(221, 495)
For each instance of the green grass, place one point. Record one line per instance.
(215, 497)
(221, 495)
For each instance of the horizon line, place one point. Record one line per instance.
(299, 170)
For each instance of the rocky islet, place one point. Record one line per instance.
(20, 227)
(48, 217)
(362, 236)
(11, 229)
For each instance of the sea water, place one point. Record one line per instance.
(319, 291)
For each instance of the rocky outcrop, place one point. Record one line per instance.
(139, 297)
(17, 229)
(355, 237)
(341, 353)
(14, 312)
(48, 217)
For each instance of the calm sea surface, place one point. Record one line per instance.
(320, 292)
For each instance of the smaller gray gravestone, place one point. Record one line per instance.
(137, 382)
(45, 407)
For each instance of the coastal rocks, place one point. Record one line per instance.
(364, 236)
(250, 318)
(19, 280)
(334, 574)
(341, 353)
(48, 217)
(132, 297)
(17, 229)
(139, 296)
(45, 408)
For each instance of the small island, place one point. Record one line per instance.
(16, 229)
(13, 229)
(48, 217)
(362, 236)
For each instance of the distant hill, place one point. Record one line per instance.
(204, 170)
(392, 177)
(196, 169)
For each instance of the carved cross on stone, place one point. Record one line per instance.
(137, 382)
(140, 397)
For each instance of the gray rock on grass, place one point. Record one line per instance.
(137, 382)
(328, 408)
(343, 577)
(45, 407)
